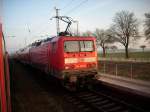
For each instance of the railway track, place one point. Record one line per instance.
(93, 101)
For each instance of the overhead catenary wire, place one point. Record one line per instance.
(68, 4)
(80, 4)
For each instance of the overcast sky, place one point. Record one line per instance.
(20, 16)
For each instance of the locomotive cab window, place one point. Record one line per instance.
(86, 46)
(71, 46)
(78, 46)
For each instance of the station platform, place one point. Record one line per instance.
(138, 87)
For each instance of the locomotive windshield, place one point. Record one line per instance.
(86, 45)
(78, 46)
(71, 46)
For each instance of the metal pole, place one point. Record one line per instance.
(116, 70)
(131, 71)
(25, 42)
(57, 20)
(77, 31)
(104, 68)
(77, 28)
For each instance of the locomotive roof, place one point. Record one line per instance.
(54, 39)
(70, 37)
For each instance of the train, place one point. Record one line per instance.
(71, 59)
(5, 98)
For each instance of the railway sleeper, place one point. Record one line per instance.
(85, 95)
(95, 100)
(76, 102)
(104, 102)
(108, 106)
(87, 110)
(93, 107)
(82, 107)
(89, 98)
(116, 109)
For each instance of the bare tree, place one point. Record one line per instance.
(125, 29)
(147, 26)
(106, 49)
(143, 47)
(103, 38)
(113, 48)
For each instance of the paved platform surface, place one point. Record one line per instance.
(131, 85)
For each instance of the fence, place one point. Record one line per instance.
(133, 70)
(129, 60)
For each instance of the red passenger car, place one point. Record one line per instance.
(71, 59)
(5, 104)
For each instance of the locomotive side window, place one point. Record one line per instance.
(71, 46)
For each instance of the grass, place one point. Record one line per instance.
(134, 55)
(138, 70)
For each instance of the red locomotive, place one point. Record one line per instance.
(72, 59)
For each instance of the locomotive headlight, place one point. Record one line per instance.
(91, 59)
(69, 67)
(71, 60)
